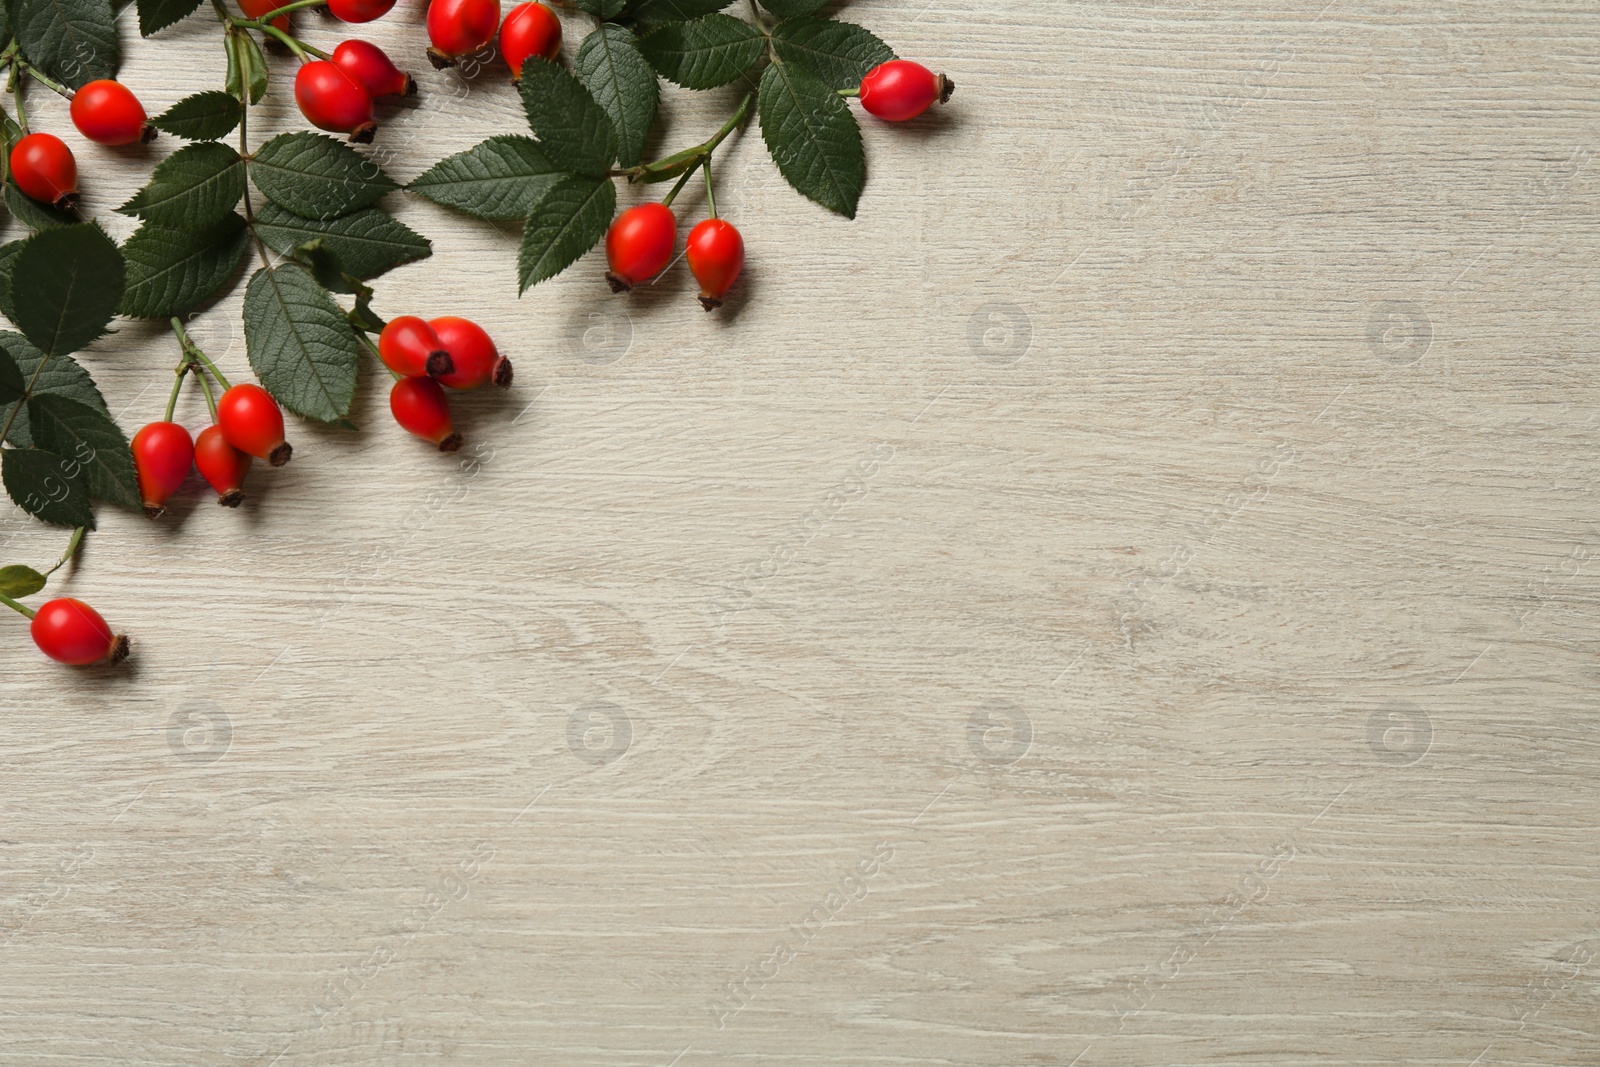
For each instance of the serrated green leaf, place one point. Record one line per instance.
(247, 67)
(61, 376)
(840, 53)
(601, 9)
(89, 439)
(655, 12)
(46, 486)
(12, 383)
(812, 136)
(66, 284)
(73, 41)
(366, 243)
(299, 343)
(8, 256)
(34, 215)
(192, 188)
(573, 129)
(704, 53)
(504, 177)
(316, 177)
(17, 581)
(171, 271)
(791, 9)
(568, 222)
(159, 14)
(624, 84)
(202, 117)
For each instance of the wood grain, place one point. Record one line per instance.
(1128, 598)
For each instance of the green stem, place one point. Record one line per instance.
(15, 90)
(287, 9)
(690, 158)
(294, 44)
(192, 350)
(850, 92)
(711, 199)
(677, 188)
(172, 398)
(72, 549)
(49, 83)
(211, 404)
(21, 609)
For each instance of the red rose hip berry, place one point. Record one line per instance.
(252, 423)
(70, 631)
(475, 362)
(163, 452)
(639, 245)
(715, 252)
(359, 10)
(222, 465)
(107, 112)
(459, 28)
(529, 30)
(419, 406)
(900, 89)
(370, 67)
(254, 9)
(409, 346)
(43, 167)
(332, 100)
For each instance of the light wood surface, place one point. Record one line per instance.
(1128, 598)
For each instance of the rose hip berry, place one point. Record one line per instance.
(332, 100)
(107, 112)
(43, 167)
(409, 346)
(163, 452)
(715, 252)
(420, 408)
(529, 30)
(222, 465)
(370, 67)
(254, 9)
(639, 245)
(900, 89)
(70, 631)
(359, 10)
(460, 27)
(476, 362)
(252, 423)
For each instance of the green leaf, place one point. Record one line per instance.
(601, 9)
(202, 117)
(17, 581)
(299, 343)
(656, 12)
(504, 177)
(710, 51)
(90, 439)
(171, 271)
(840, 53)
(66, 284)
(573, 129)
(34, 215)
(12, 384)
(568, 222)
(46, 486)
(366, 243)
(192, 188)
(316, 177)
(61, 376)
(247, 67)
(73, 41)
(791, 9)
(813, 137)
(8, 255)
(618, 76)
(159, 14)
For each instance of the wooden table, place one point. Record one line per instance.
(1128, 598)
